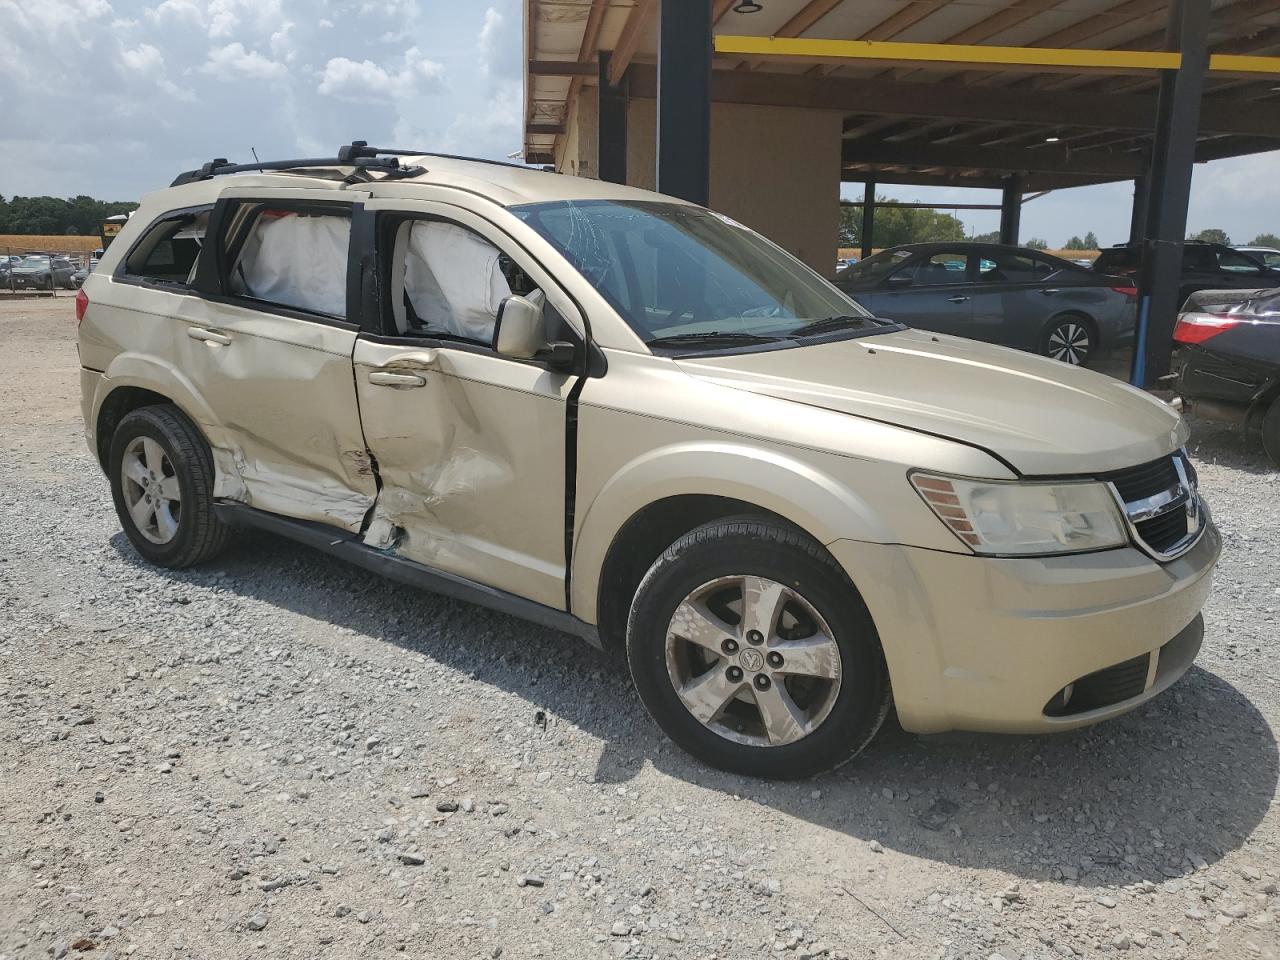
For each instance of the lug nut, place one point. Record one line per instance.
(734, 674)
(774, 658)
(755, 636)
(730, 645)
(762, 682)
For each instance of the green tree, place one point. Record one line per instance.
(1075, 243)
(1090, 241)
(53, 215)
(895, 225)
(1261, 240)
(990, 237)
(1035, 243)
(1212, 235)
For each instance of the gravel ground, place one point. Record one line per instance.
(283, 756)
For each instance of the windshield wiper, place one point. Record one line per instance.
(829, 324)
(714, 336)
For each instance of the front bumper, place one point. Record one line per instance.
(975, 643)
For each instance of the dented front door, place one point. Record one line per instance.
(471, 453)
(469, 446)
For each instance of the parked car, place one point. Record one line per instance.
(842, 262)
(1205, 266)
(1228, 354)
(1269, 256)
(627, 417)
(7, 263)
(82, 272)
(1007, 295)
(42, 272)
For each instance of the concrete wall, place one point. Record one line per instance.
(776, 169)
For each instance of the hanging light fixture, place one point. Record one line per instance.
(747, 6)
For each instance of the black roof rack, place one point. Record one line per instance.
(356, 154)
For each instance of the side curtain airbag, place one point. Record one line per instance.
(454, 280)
(299, 261)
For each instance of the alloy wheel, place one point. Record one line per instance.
(753, 661)
(1070, 343)
(152, 494)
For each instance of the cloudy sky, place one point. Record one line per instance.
(113, 97)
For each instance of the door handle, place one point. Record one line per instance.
(382, 378)
(1050, 292)
(208, 336)
(956, 299)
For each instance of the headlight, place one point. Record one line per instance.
(1023, 519)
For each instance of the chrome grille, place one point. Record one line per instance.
(1161, 505)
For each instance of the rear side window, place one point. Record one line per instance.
(290, 258)
(170, 249)
(1014, 268)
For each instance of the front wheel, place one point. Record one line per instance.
(1069, 339)
(755, 653)
(162, 483)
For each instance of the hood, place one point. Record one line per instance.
(1040, 415)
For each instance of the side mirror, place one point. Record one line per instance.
(520, 333)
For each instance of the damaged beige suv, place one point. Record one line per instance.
(630, 418)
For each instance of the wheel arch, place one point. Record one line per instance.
(655, 500)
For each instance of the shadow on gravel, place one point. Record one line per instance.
(1220, 444)
(1180, 781)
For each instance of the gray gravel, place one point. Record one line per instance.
(282, 756)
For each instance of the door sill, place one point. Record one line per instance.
(349, 547)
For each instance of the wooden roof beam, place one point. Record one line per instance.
(638, 20)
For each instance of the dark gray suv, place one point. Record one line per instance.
(1012, 296)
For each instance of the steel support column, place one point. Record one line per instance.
(1138, 218)
(1011, 209)
(868, 218)
(611, 144)
(684, 99)
(1172, 158)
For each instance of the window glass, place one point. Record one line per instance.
(169, 250)
(294, 259)
(454, 281)
(1014, 268)
(1197, 258)
(875, 267)
(941, 268)
(1234, 262)
(674, 270)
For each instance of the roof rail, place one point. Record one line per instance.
(361, 148)
(346, 158)
(357, 154)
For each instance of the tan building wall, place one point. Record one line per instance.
(776, 169)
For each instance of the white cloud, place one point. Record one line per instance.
(366, 82)
(234, 62)
(498, 46)
(144, 59)
(170, 11)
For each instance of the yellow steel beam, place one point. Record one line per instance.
(1242, 63)
(988, 56)
(893, 51)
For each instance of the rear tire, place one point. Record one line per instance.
(1271, 432)
(1073, 339)
(806, 694)
(161, 475)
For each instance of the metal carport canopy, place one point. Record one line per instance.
(1057, 82)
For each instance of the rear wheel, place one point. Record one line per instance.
(1071, 339)
(1271, 432)
(753, 651)
(162, 484)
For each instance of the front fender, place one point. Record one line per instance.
(773, 479)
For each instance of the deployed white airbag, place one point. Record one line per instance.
(295, 260)
(453, 280)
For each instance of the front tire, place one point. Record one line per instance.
(755, 653)
(162, 483)
(1071, 339)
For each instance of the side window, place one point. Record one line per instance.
(941, 268)
(170, 249)
(292, 258)
(1233, 262)
(1014, 268)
